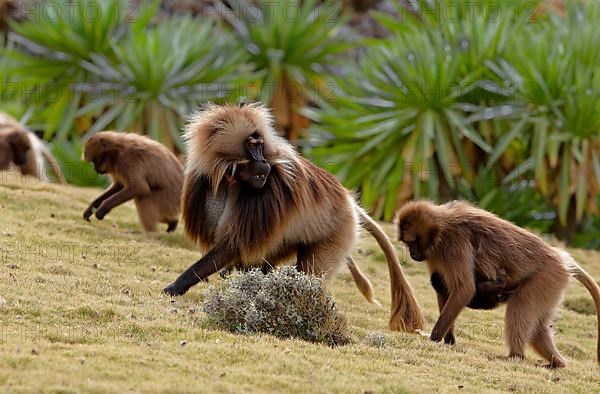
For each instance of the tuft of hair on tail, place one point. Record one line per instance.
(406, 313)
(590, 284)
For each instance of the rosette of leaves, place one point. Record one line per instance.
(556, 79)
(400, 128)
(159, 75)
(295, 43)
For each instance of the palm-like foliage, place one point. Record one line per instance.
(112, 72)
(402, 116)
(393, 121)
(159, 75)
(467, 97)
(49, 52)
(294, 42)
(10, 93)
(557, 80)
(481, 29)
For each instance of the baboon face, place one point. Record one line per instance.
(97, 152)
(254, 170)
(15, 147)
(238, 143)
(413, 240)
(417, 231)
(6, 154)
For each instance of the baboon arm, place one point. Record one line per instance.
(441, 300)
(115, 187)
(118, 198)
(457, 300)
(459, 279)
(449, 337)
(216, 259)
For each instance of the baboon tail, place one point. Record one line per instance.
(362, 282)
(579, 273)
(41, 148)
(406, 314)
(53, 163)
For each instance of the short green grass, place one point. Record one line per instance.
(82, 310)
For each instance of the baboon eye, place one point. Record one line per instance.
(255, 138)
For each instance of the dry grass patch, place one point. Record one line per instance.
(83, 311)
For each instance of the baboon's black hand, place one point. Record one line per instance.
(88, 213)
(216, 258)
(101, 213)
(174, 289)
(449, 339)
(436, 336)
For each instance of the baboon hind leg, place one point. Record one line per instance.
(533, 304)
(362, 282)
(147, 212)
(320, 259)
(543, 344)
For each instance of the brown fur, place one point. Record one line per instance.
(301, 211)
(461, 243)
(141, 169)
(24, 150)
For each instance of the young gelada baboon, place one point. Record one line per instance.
(141, 169)
(465, 245)
(488, 293)
(24, 150)
(249, 198)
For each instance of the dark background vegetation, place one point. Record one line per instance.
(497, 102)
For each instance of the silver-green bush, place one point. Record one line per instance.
(285, 303)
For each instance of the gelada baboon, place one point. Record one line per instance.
(24, 150)
(249, 198)
(464, 245)
(141, 169)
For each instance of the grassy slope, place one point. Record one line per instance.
(83, 311)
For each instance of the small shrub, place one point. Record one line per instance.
(376, 339)
(285, 303)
